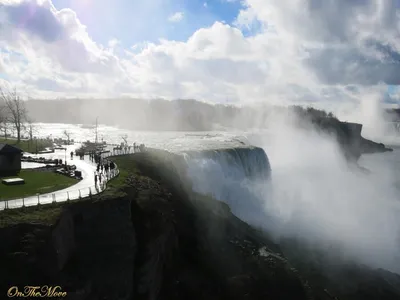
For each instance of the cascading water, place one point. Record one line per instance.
(236, 176)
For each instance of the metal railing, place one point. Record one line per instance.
(118, 152)
(60, 196)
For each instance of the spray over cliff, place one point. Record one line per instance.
(240, 162)
(230, 175)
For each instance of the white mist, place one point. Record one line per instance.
(316, 197)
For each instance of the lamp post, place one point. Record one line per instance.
(96, 131)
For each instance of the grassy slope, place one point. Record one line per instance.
(116, 187)
(27, 145)
(35, 182)
(43, 214)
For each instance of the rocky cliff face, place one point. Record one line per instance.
(157, 243)
(197, 249)
(350, 139)
(63, 239)
(89, 252)
(35, 251)
(163, 241)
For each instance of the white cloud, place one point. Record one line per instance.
(113, 42)
(304, 51)
(176, 17)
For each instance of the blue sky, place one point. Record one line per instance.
(133, 21)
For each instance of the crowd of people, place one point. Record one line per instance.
(104, 171)
(105, 168)
(125, 148)
(139, 148)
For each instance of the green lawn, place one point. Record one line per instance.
(27, 145)
(35, 182)
(49, 213)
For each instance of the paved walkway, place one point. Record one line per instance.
(82, 189)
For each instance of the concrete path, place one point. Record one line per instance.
(82, 189)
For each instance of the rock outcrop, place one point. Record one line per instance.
(350, 139)
(197, 249)
(89, 251)
(35, 253)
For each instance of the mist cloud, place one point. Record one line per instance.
(316, 197)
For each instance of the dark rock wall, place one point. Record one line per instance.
(163, 241)
(35, 253)
(101, 267)
(63, 239)
(89, 252)
(350, 139)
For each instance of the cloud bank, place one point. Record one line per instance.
(290, 51)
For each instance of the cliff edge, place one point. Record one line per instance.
(349, 137)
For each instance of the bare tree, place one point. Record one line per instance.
(4, 128)
(15, 110)
(67, 135)
(3, 119)
(31, 129)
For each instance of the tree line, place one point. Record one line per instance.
(160, 115)
(156, 114)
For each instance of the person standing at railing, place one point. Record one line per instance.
(112, 167)
(95, 179)
(106, 170)
(100, 175)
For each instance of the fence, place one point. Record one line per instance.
(59, 196)
(67, 194)
(118, 152)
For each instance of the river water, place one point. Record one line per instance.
(183, 141)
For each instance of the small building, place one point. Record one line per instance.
(10, 160)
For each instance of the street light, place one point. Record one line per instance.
(96, 131)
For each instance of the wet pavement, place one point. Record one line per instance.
(82, 189)
(86, 166)
(31, 165)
